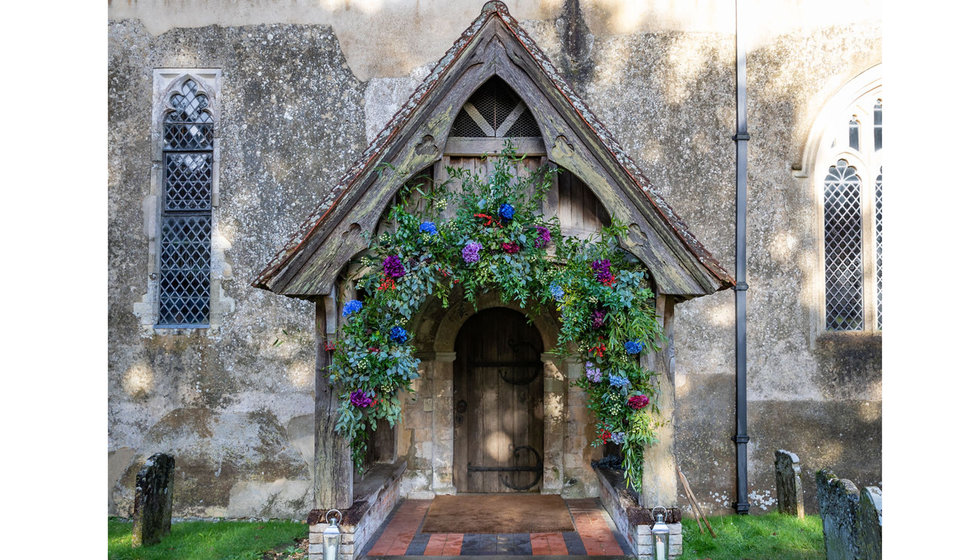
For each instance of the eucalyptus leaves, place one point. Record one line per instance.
(499, 241)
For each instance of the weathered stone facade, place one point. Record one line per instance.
(304, 86)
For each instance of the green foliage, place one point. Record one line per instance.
(206, 540)
(500, 215)
(771, 536)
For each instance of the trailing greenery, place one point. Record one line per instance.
(772, 536)
(206, 540)
(499, 241)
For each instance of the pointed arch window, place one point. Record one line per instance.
(185, 219)
(849, 175)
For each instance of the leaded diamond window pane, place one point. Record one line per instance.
(842, 249)
(877, 125)
(185, 235)
(853, 134)
(189, 105)
(185, 270)
(188, 181)
(878, 242)
(188, 136)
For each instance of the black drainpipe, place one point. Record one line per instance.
(741, 139)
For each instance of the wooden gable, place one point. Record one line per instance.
(416, 138)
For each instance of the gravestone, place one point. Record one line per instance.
(838, 499)
(154, 500)
(868, 527)
(789, 488)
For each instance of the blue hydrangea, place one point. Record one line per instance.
(633, 347)
(618, 437)
(352, 307)
(556, 291)
(506, 211)
(428, 227)
(398, 335)
(618, 381)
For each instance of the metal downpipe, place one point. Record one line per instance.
(741, 138)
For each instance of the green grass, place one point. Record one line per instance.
(205, 540)
(755, 537)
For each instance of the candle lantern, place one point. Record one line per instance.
(661, 535)
(331, 535)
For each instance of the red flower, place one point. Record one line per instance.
(599, 349)
(609, 281)
(510, 247)
(636, 402)
(489, 219)
(387, 284)
(373, 349)
(605, 435)
(328, 346)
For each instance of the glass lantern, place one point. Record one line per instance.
(331, 535)
(661, 536)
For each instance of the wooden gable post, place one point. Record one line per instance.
(333, 472)
(659, 462)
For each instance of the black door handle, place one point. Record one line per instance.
(461, 406)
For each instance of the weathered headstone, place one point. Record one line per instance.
(838, 499)
(154, 500)
(789, 488)
(868, 527)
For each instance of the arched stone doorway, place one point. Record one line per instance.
(498, 391)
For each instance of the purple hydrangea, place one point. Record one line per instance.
(398, 335)
(360, 398)
(471, 253)
(428, 227)
(506, 211)
(352, 307)
(393, 266)
(592, 372)
(618, 437)
(544, 237)
(633, 347)
(601, 269)
(619, 381)
(598, 318)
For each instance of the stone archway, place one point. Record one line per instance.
(436, 329)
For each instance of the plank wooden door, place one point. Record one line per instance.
(498, 392)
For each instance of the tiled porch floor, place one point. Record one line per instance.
(595, 535)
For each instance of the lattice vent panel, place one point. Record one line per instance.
(495, 101)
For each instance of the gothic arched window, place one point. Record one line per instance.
(845, 155)
(185, 218)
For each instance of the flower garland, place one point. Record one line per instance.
(499, 241)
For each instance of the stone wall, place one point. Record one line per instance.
(304, 86)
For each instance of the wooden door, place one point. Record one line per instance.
(498, 392)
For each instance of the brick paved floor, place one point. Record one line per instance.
(594, 535)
